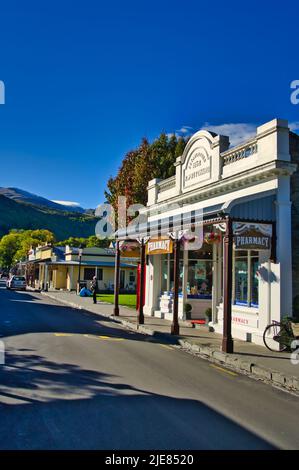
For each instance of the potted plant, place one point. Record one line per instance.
(187, 311)
(208, 314)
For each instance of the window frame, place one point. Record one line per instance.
(250, 256)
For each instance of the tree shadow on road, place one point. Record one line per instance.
(48, 405)
(30, 314)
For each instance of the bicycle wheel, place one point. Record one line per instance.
(278, 333)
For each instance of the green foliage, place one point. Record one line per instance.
(89, 242)
(139, 166)
(15, 246)
(128, 300)
(187, 308)
(208, 313)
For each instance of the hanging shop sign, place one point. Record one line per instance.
(252, 236)
(159, 246)
(129, 249)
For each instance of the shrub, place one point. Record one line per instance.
(187, 310)
(208, 313)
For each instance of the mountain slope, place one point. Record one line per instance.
(16, 215)
(19, 195)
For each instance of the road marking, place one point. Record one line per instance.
(103, 337)
(166, 347)
(223, 370)
(63, 334)
(111, 338)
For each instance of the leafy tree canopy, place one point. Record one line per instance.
(84, 242)
(14, 247)
(139, 166)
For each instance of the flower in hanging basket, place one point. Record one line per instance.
(212, 237)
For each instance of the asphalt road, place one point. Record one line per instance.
(73, 380)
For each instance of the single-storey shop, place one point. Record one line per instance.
(222, 233)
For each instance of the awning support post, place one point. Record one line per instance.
(175, 327)
(140, 316)
(227, 340)
(116, 280)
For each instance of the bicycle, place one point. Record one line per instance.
(282, 333)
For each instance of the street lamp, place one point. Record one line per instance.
(79, 273)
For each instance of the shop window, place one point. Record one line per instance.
(167, 268)
(131, 277)
(89, 273)
(241, 281)
(245, 278)
(200, 278)
(122, 279)
(100, 274)
(254, 300)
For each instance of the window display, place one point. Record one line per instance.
(200, 278)
(246, 278)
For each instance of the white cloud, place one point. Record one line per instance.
(67, 203)
(294, 126)
(184, 131)
(237, 132)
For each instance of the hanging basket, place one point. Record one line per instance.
(212, 237)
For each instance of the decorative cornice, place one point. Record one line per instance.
(247, 178)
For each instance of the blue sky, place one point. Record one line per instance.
(85, 81)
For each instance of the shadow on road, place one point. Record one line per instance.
(23, 313)
(45, 405)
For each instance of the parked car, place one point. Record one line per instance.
(16, 282)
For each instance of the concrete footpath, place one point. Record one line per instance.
(248, 358)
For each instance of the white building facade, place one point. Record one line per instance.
(254, 185)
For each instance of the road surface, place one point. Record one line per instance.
(73, 380)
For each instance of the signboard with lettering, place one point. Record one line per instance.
(129, 249)
(158, 246)
(198, 167)
(252, 236)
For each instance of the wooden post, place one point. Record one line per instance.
(175, 328)
(140, 317)
(273, 244)
(116, 280)
(227, 341)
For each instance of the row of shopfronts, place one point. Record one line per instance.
(222, 233)
(67, 268)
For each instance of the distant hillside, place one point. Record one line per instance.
(19, 195)
(16, 215)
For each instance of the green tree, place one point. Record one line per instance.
(9, 245)
(139, 166)
(74, 241)
(15, 246)
(89, 242)
(95, 241)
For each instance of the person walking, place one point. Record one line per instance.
(94, 289)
